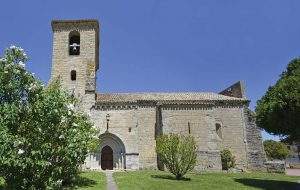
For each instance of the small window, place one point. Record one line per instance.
(74, 43)
(219, 130)
(73, 75)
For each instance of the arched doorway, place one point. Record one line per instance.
(107, 158)
(117, 150)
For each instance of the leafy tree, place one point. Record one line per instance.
(43, 138)
(177, 152)
(278, 111)
(276, 150)
(228, 160)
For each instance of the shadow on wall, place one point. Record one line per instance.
(266, 184)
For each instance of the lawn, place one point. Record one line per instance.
(149, 180)
(86, 181)
(91, 181)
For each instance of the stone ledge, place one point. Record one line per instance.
(275, 166)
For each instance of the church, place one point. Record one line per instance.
(129, 123)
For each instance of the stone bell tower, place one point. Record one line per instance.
(75, 58)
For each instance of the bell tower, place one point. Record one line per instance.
(75, 58)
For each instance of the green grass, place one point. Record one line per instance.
(91, 181)
(87, 181)
(164, 181)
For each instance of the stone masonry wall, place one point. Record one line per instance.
(232, 121)
(255, 150)
(135, 125)
(235, 90)
(199, 121)
(85, 64)
(146, 137)
(123, 124)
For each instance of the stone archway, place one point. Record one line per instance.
(107, 158)
(112, 152)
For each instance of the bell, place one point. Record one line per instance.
(74, 46)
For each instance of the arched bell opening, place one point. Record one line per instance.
(74, 43)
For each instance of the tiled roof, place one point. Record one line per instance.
(181, 96)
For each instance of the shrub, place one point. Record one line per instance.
(177, 153)
(228, 160)
(275, 150)
(43, 138)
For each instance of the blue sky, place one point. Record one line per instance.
(167, 45)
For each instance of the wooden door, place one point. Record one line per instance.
(107, 158)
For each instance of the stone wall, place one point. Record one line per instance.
(135, 123)
(198, 121)
(123, 123)
(85, 64)
(135, 126)
(208, 161)
(138, 125)
(232, 123)
(146, 137)
(275, 166)
(235, 90)
(256, 156)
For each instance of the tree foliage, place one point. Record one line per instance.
(177, 153)
(276, 150)
(228, 160)
(278, 111)
(43, 138)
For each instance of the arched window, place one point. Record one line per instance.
(73, 75)
(74, 43)
(219, 130)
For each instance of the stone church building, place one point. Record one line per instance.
(129, 123)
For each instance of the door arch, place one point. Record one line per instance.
(118, 148)
(107, 158)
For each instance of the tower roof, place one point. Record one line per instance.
(90, 22)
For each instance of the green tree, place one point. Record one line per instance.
(278, 111)
(276, 150)
(228, 160)
(177, 153)
(43, 137)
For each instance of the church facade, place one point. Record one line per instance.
(129, 123)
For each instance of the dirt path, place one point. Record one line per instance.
(111, 184)
(293, 172)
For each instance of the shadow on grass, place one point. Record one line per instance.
(169, 177)
(82, 182)
(79, 182)
(269, 184)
